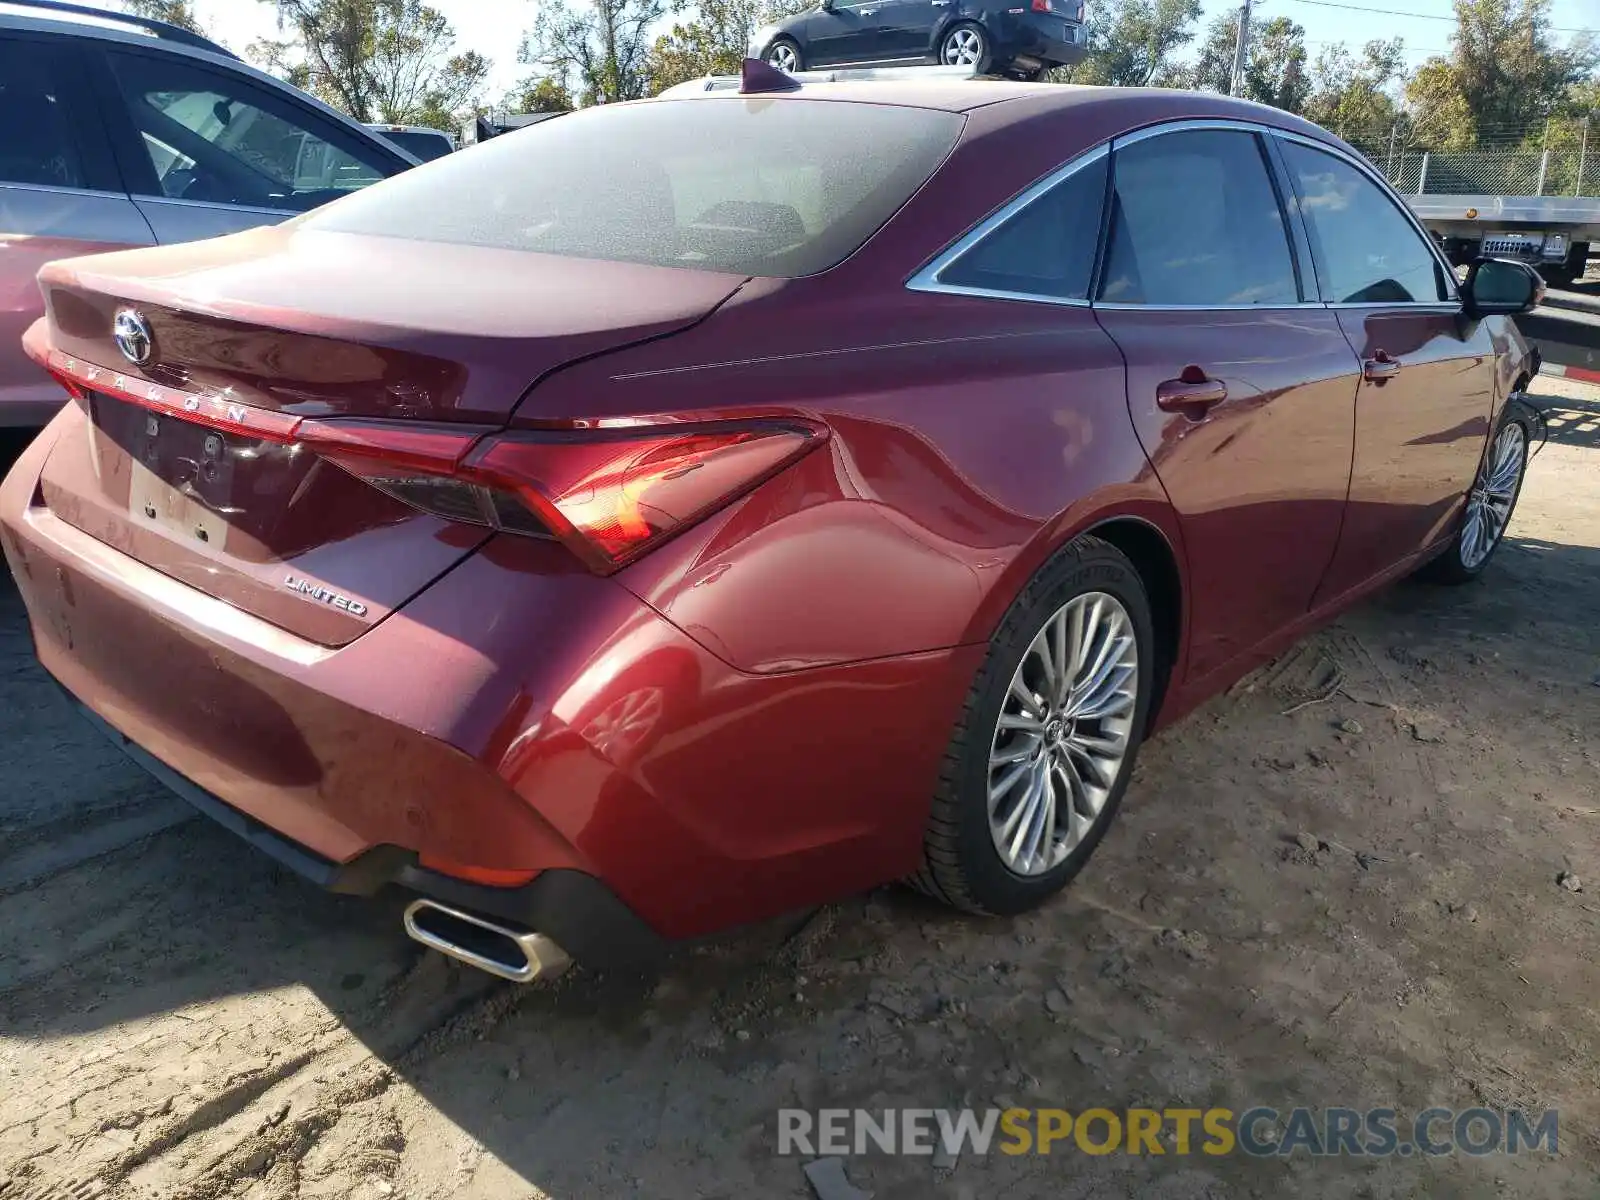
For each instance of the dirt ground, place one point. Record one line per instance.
(1288, 912)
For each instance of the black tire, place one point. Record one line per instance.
(793, 47)
(963, 30)
(961, 865)
(1452, 565)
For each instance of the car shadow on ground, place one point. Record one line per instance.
(1571, 421)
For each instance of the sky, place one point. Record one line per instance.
(494, 27)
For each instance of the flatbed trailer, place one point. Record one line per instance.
(1553, 233)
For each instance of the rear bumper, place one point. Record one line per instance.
(579, 912)
(518, 715)
(1041, 37)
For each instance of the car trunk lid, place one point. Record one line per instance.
(188, 462)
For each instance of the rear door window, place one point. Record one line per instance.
(37, 142)
(210, 136)
(1045, 249)
(1196, 222)
(1367, 250)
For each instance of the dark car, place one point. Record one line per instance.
(1020, 38)
(691, 510)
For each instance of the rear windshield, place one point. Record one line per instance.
(751, 186)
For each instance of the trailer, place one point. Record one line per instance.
(1553, 233)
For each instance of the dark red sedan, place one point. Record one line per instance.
(690, 510)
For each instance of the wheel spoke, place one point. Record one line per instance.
(1030, 702)
(1064, 664)
(1021, 721)
(1018, 749)
(1110, 684)
(1097, 774)
(1041, 650)
(1029, 808)
(1105, 659)
(999, 791)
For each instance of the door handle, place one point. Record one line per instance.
(1192, 393)
(868, 12)
(1380, 367)
(941, 3)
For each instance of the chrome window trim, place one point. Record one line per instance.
(1394, 197)
(222, 206)
(1117, 306)
(1185, 125)
(57, 189)
(927, 278)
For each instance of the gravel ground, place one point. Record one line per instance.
(1351, 903)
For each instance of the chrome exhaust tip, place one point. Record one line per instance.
(519, 955)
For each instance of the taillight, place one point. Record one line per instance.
(609, 495)
(1041, 6)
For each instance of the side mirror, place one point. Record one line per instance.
(826, 5)
(1501, 285)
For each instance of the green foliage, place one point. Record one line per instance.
(378, 60)
(604, 43)
(1131, 41)
(1503, 76)
(173, 12)
(1275, 70)
(1353, 95)
(537, 94)
(712, 40)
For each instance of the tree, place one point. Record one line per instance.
(1353, 95)
(537, 94)
(1212, 69)
(1130, 41)
(173, 12)
(713, 41)
(1504, 73)
(604, 42)
(378, 60)
(1274, 64)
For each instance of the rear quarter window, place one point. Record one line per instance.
(784, 187)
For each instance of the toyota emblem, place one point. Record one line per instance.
(132, 334)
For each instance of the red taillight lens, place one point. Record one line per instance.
(609, 496)
(1041, 6)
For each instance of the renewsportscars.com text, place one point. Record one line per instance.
(1260, 1131)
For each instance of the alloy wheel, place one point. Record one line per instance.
(1063, 732)
(1489, 503)
(963, 48)
(784, 58)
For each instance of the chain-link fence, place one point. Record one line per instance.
(1556, 159)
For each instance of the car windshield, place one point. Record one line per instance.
(764, 186)
(426, 146)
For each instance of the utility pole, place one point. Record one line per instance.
(1236, 84)
(1583, 158)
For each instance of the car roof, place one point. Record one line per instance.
(1007, 101)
